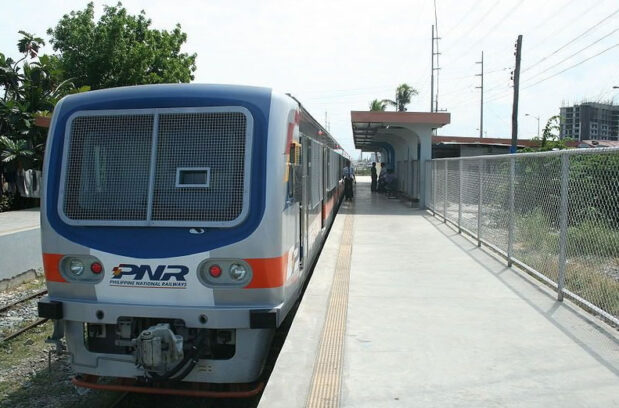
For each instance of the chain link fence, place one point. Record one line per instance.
(556, 214)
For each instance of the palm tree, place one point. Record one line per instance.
(377, 105)
(29, 44)
(15, 151)
(404, 92)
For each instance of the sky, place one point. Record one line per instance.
(336, 56)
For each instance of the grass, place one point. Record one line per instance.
(592, 250)
(25, 380)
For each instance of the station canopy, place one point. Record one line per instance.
(367, 127)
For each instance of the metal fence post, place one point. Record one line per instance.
(510, 234)
(479, 204)
(434, 182)
(565, 170)
(445, 194)
(460, 197)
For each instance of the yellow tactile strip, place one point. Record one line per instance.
(326, 381)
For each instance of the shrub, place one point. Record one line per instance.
(6, 202)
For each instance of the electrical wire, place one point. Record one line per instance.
(572, 66)
(504, 93)
(574, 54)
(500, 21)
(555, 15)
(588, 30)
(562, 27)
(473, 26)
(464, 16)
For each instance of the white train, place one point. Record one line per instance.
(179, 223)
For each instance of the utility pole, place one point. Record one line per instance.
(432, 75)
(537, 118)
(437, 54)
(438, 67)
(516, 91)
(433, 99)
(481, 110)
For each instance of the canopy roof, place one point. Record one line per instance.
(366, 125)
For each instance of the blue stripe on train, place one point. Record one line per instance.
(150, 242)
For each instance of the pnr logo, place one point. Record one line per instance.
(146, 276)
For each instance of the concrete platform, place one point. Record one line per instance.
(20, 243)
(17, 221)
(434, 321)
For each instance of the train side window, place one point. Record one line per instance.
(291, 165)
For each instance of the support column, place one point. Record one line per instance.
(425, 154)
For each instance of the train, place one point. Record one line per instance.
(179, 223)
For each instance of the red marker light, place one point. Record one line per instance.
(96, 267)
(215, 271)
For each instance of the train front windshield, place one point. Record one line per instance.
(156, 168)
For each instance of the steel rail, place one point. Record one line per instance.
(23, 330)
(29, 297)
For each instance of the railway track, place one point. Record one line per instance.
(22, 300)
(117, 402)
(30, 326)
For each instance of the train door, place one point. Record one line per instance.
(294, 198)
(323, 187)
(304, 200)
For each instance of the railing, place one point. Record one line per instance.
(555, 214)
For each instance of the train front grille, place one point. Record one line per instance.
(157, 167)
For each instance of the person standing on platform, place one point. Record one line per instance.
(349, 176)
(383, 170)
(374, 176)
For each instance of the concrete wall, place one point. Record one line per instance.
(20, 252)
(20, 243)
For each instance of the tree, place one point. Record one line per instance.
(15, 151)
(404, 93)
(550, 137)
(29, 89)
(119, 49)
(377, 105)
(29, 44)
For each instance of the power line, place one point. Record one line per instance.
(561, 27)
(566, 25)
(473, 6)
(501, 96)
(333, 91)
(483, 37)
(505, 92)
(474, 25)
(572, 66)
(471, 75)
(576, 53)
(594, 26)
(555, 15)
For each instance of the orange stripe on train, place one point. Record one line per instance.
(51, 267)
(268, 272)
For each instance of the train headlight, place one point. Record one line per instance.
(76, 267)
(237, 272)
(81, 268)
(224, 273)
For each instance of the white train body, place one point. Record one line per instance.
(179, 223)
